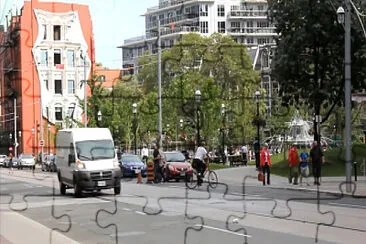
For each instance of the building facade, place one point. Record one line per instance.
(245, 21)
(46, 52)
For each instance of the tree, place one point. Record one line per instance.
(221, 69)
(309, 61)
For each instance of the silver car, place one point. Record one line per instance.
(26, 160)
(2, 159)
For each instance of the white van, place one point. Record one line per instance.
(86, 160)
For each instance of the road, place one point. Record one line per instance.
(137, 217)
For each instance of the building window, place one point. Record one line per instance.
(46, 84)
(221, 10)
(47, 112)
(203, 10)
(57, 56)
(263, 24)
(260, 7)
(71, 86)
(56, 32)
(221, 26)
(58, 113)
(263, 40)
(70, 111)
(58, 86)
(70, 58)
(44, 32)
(43, 57)
(250, 40)
(204, 26)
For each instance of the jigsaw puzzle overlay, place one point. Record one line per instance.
(110, 210)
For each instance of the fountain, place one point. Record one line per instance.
(299, 131)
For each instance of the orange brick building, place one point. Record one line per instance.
(46, 52)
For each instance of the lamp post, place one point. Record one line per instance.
(49, 138)
(257, 144)
(32, 140)
(223, 114)
(99, 117)
(344, 16)
(198, 102)
(20, 140)
(134, 111)
(181, 126)
(83, 57)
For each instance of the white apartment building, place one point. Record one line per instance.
(244, 20)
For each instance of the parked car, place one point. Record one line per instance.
(176, 166)
(27, 160)
(14, 160)
(131, 165)
(2, 159)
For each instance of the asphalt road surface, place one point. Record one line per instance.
(104, 218)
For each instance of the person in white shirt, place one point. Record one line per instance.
(198, 161)
(145, 154)
(244, 153)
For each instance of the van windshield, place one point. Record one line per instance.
(95, 150)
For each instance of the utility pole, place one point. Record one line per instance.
(15, 128)
(85, 96)
(347, 61)
(160, 129)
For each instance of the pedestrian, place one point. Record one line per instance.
(293, 161)
(10, 163)
(244, 153)
(304, 166)
(157, 162)
(144, 154)
(199, 161)
(317, 158)
(265, 163)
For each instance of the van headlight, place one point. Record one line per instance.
(80, 165)
(115, 163)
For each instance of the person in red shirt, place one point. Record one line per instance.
(293, 161)
(265, 163)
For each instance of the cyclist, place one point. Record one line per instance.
(199, 162)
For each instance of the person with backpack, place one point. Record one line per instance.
(304, 166)
(293, 161)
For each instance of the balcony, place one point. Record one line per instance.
(252, 31)
(166, 4)
(179, 19)
(178, 29)
(248, 14)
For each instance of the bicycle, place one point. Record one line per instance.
(192, 181)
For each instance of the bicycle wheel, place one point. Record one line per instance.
(192, 181)
(212, 179)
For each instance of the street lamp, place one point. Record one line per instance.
(345, 17)
(99, 116)
(223, 113)
(134, 111)
(49, 138)
(257, 144)
(197, 95)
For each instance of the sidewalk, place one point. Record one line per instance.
(331, 185)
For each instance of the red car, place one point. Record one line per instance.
(176, 166)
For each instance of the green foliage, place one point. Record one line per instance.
(309, 62)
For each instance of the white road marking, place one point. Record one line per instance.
(134, 233)
(347, 205)
(141, 213)
(241, 194)
(126, 209)
(222, 230)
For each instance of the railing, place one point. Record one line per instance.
(174, 19)
(167, 4)
(248, 13)
(250, 30)
(134, 39)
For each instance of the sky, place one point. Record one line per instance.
(113, 22)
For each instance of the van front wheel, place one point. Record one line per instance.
(117, 190)
(62, 188)
(77, 190)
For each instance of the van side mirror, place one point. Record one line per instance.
(71, 159)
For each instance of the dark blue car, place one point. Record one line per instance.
(131, 165)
